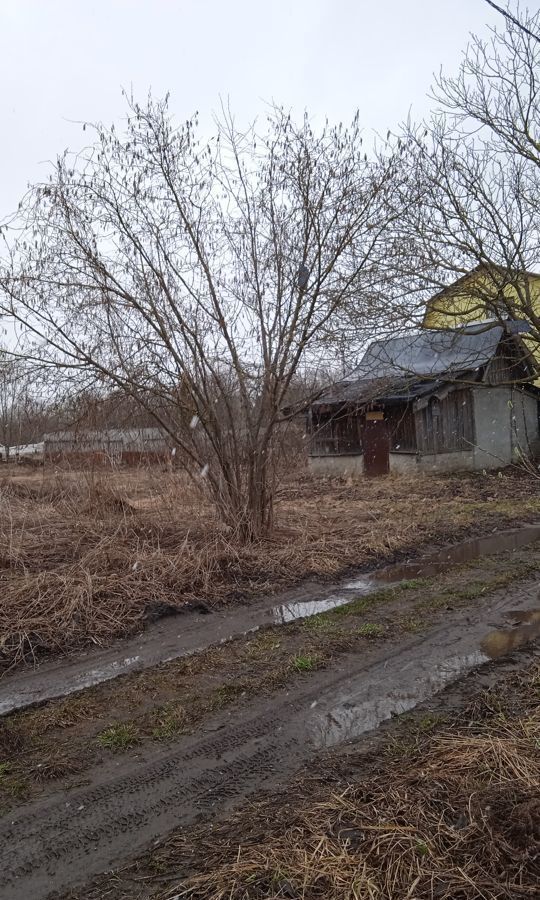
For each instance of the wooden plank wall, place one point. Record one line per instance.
(446, 425)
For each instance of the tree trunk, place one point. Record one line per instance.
(248, 509)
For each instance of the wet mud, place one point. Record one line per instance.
(64, 840)
(463, 552)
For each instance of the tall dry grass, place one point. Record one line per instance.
(89, 556)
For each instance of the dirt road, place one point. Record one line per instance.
(64, 840)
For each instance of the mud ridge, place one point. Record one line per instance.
(190, 632)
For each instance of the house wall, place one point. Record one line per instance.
(466, 301)
(493, 439)
(447, 425)
(108, 447)
(525, 435)
(505, 425)
(102, 459)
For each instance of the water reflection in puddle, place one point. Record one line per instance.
(503, 641)
(158, 645)
(460, 553)
(370, 702)
(288, 612)
(421, 568)
(389, 690)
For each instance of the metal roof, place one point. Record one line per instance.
(392, 390)
(107, 435)
(429, 353)
(406, 368)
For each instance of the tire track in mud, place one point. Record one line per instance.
(66, 839)
(122, 815)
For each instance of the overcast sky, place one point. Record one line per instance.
(65, 60)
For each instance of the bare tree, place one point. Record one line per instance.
(514, 19)
(17, 408)
(476, 166)
(198, 277)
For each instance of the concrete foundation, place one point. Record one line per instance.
(404, 463)
(337, 465)
(409, 463)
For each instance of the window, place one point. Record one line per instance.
(335, 433)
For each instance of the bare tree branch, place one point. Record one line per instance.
(508, 15)
(167, 268)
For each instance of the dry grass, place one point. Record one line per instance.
(87, 558)
(457, 819)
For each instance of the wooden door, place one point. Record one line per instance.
(376, 445)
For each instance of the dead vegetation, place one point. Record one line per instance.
(88, 557)
(452, 813)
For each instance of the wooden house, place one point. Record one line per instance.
(487, 295)
(437, 400)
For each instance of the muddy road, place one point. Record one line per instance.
(64, 840)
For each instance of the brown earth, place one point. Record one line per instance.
(57, 741)
(442, 803)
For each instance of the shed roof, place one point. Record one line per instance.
(106, 435)
(430, 352)
(405, 368)
(392, 390)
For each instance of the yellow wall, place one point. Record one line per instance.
(468, 300)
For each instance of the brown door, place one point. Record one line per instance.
(376, 445)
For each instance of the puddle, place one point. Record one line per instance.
(288, 612)
(418, 673)
(524, 615)
(424, 567)
(364, 708)
(26, 696)
(460, 553)
(503, 641)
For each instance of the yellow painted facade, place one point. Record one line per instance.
(476, 297)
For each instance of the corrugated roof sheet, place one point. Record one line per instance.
(430, 353)
(405, 368)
